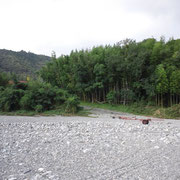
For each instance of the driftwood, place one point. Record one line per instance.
(144, 121)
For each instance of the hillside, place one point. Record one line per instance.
(21, 63)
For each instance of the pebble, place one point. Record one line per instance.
(40, 169)
(156, 147)
(50, 148)
(12, 178)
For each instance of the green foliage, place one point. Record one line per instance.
(36, 96)
(175, 82)
(173, 112)
(9, 99)
(21, 63)
(134, 71)
(61, 96)
(71, 104)
(26, 101)
(38, 108)
(111, 97)
(4, 79)
(42, 94)
(162, 81)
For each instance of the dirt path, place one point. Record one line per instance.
(43, 148)
(104, 113)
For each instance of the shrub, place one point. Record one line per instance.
(61, 96)
(9, 99)
(38, 94)
(71, 104)
(128, 94)
(48, 97)
(27, 101)
(173, 112)
(38, 108)
(111, 97)
(4, 79)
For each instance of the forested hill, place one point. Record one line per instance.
(21, 63)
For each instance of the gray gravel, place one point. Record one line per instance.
(43, 148)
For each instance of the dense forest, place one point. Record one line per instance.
(21, 63)
(123, 73)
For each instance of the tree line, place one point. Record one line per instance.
(123, 73)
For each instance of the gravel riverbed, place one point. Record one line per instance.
(100, 147)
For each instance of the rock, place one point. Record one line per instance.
(68, 143)
(156, 147)
(37, 177)
(41, 170)
(12, 178)
(178, 134)
(28, 171)
(86, 150)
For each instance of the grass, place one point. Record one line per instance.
(119, 108)
(55, 112)
(137, 109)
(140, 109)
(18, 113)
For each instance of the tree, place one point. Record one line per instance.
(175, 87)
(161, 83)
(4, 79)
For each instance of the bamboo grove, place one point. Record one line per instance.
(123, 73)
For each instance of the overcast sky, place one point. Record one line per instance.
(41, 26)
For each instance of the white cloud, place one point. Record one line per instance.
(41, 26)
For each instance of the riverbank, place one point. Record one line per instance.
(97, 147)
(140, 109)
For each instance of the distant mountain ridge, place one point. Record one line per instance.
(21, 63)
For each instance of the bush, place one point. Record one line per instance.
(36, 96)
(111, 97)
(71, 104)
(4, 79)
(173, 112)
(42, 96)
(129, 95)
(9, 99)
(38, 108)
(27, 101)
(61, 96)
